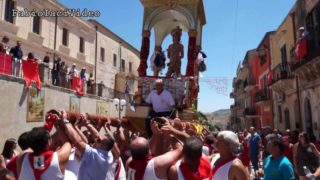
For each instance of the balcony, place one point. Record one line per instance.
(233, 110)
(283, 80)
(249, 84)
(262, 96)
(240, 112)
(250, 113)
(308, 67)
(243, 73)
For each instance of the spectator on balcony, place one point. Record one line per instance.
(90, 83)
(83, 74)
(4, 44)
(31, 57)
(63, 74)
(303, 32)
(17, 54)
(46, 59)
(55, 72)
(73, 72)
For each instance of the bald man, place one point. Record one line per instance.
(193, 165)
(141, 165)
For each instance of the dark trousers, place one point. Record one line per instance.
(153, 115)
(55, 78)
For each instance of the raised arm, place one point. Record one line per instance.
(163, 162)
(77, 127)
(71, 133)
(115, 149)
(91, 128)
(156, 142)
(168, 129)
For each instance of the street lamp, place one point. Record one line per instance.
(119, 105)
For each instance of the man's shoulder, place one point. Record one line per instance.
(166, 91)
(285, 161)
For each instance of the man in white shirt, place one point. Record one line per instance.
(162, 104)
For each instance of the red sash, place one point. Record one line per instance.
(203, 172)
(12, 166)
(47, 158)
(118, 170)
(139, 166)
(220, 164)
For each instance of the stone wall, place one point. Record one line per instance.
(13, 106)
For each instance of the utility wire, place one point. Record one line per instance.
(235, 28)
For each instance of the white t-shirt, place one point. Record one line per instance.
(72, 166)
(162, 102)
(95, 164)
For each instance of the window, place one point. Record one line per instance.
(114, 60)
(36, 25)
(283, 51)
(8, 16)
(123, 65)
(81, 47)
(130, 66)
(102, 54)
(65, 35)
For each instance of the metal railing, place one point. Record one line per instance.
(281, 71)
(249, 111)
(313, 46)
(262, 95)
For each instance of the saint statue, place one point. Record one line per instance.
(175, 53)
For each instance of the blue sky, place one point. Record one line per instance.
(233, 27)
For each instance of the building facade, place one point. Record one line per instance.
(87, 43)
(286, 72)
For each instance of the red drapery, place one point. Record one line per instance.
(31, 73)
(301, 49)
(144, 53)
(5, 63)
(191, 56)
(270, 77)
(78, 85)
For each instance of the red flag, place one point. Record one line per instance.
(5, 63)
(301, 49)
(270, 77)
(31, 73)
(78, 85)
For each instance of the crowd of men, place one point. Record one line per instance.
(79, 149)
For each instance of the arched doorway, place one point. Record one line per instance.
(308, 115)
(287, 118)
